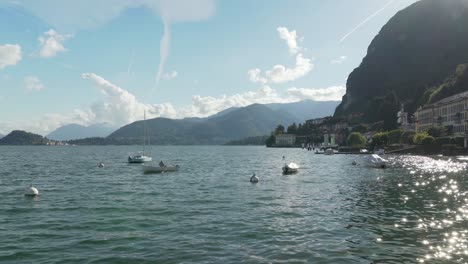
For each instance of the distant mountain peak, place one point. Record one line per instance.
(76, 131)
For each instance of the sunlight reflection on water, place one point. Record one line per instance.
(443, 225)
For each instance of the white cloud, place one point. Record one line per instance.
(51, 43)
(32, 83)
(119, 106)
(334, 93)
(170, 75)
(291, 39)
(339, 60)
(203, 106)
(42, 125)
(280, 73)
(254, 76)
(9, 55)
(206, 106)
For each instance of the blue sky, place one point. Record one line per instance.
(110, 60)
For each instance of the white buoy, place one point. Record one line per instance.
(31, 191)
(254, 178)
(101, 164)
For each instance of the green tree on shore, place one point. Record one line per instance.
(380, 139)
(292, 129)
(279, 130)
(356, 140)
(394, 136)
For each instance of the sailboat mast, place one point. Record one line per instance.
(144, 131)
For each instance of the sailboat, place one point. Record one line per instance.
(141, 158)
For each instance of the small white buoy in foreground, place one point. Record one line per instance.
(254, 178)
(31, 191)
(354, 162)
(101, 164)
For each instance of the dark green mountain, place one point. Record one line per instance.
(416, 51)
(19, 137)
(250, 121)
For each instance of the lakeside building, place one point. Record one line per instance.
(285, 140)
(402, 120)
(318, 121)
(450, 112)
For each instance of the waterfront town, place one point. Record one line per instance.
(443, 123)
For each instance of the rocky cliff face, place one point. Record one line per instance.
(417, 50)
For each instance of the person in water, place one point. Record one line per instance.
(161, 164)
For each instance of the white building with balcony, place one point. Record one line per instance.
(285, 140)
(448, 112)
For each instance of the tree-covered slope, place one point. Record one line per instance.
(416, 50)
(19, 137)
(250, 121)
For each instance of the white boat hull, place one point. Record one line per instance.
(329, 152)
(290, 168)
(375, 161)
(139, 159)
(159, 169)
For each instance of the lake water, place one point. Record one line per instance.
(209, 212)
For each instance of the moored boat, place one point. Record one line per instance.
(140, 158)
(159, 169)
(329, 152)
(290, 168)
(376, 161)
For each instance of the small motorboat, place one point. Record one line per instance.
(139, 159)
(329, 152)
(159, 169)
(379, 151)
(290, 168)
(376, 161)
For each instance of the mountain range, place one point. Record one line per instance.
(237, 123)
(414, 57)
(230, 124)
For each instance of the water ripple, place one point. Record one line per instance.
(209, 212)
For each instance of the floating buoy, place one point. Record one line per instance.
(31, 191)
(354, 162)
(101, 164)
(254, 178)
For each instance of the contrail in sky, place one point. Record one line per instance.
(130, 64)
(366, 20)
(164, 49)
